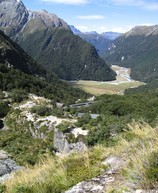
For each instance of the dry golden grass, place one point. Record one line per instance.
(112, 87)
(99, 88)
(135, 146)
(57, 174)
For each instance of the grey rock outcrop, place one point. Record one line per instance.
(95, 185)
(16, 18)
(7, 166)
(110, 179)
(12, 21)
(62, 145)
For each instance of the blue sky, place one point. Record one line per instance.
(101, 15)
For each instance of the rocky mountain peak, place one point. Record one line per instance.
(13, 16)
(143, 30)
(49, 19)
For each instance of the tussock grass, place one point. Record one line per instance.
(57, 174)
(137, 147)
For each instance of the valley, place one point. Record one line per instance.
(69, 122)
(123, 81)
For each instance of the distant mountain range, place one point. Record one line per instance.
(49, 40)
(137, 49)
(108, 35)
(99, 41)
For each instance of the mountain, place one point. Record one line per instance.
(99, 41)
(20, 71)
(75, 30)
(49, 40)
(110, 35)
(14, 57)
(137, 49)
(92, 33)
(95, 39)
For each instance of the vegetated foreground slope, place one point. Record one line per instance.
(137, 49)
(125, 166)
(49, 40)
(19, 71)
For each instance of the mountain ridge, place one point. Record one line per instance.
(49, 40)
(137, 49)
(99, 41)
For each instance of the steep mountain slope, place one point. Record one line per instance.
(137, 49)
(99, 41)
(13, 56)
(49, 40)
(19, 71)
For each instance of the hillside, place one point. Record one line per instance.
(13, 56)
(49, 40)
(137, 49)
(47, 139)
(19, 71)
(99, 41)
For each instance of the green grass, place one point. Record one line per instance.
(98, 88)
(55, 175)
(114, 87)
(137, 147)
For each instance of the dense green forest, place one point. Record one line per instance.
(20, 71)
(116, 112)
(56, 90)
(66, 55)
(140, 54)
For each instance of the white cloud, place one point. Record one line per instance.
(128, 2)
(139, 3)
(68, 2)
(151, 6)
(89, 17)
(100, 29)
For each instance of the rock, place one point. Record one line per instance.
(60, 142)
(4, 155)
(95, 185)
(139, 191)
(7, 166)
(62, 145)
(114, 163)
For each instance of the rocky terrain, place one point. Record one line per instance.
(7, 166)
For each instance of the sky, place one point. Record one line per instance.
(100, 15)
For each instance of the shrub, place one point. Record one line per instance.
(18, 95)
(21, 189)
(41, 110)
(2, 95)
(4, 109)
(2, 188)
(152, 169)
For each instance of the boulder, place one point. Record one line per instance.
(7, 166)
(62, 145)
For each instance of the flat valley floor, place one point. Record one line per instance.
(122, 82)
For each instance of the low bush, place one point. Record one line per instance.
(41, 110)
